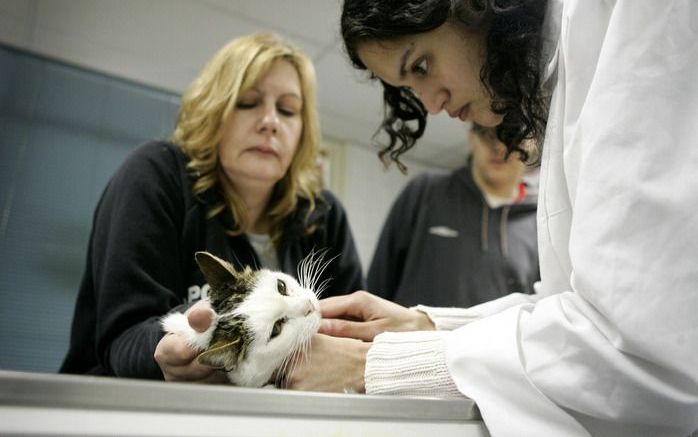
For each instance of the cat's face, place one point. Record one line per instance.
(265, 320)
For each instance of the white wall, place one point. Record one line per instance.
(165, 43)
(367, 191)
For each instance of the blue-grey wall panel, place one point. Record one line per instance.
(65, 130)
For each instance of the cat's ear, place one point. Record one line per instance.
(222, 356)
(216, 271)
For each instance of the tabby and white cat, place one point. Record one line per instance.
(264, 319)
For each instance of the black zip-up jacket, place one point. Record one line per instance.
(442, 245)
(140, 260)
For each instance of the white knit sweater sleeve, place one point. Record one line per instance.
(409, 363)
(450, 318)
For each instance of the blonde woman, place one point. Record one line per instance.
(237, 179)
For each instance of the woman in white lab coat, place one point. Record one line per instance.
(609, 345)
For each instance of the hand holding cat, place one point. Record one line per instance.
(177, 359)
(333, 365)
(362, 315)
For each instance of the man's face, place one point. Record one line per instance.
(489, 163)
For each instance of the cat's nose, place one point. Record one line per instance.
(308, 308)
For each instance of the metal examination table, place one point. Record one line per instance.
(48, 404)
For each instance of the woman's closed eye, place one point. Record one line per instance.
(286, 110)
(246, 104)
(289, 105)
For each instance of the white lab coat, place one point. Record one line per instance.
(610, 345)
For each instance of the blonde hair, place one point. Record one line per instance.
(210, 100)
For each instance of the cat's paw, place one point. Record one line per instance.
(177, 323)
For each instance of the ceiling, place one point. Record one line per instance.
(166, 42)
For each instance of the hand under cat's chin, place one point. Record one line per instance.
(334, 364)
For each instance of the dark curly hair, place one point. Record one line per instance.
(510, 71)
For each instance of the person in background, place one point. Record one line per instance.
(460, 238)
(238, 180)
(607, 345)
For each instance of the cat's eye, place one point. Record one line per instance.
(281, 286)
(276, 329)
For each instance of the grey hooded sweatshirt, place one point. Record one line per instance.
(442, 245)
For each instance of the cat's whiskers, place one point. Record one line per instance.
(281, 373)
(285, 369)
(310, 271)
(305, 269)
(321, 288)
(300, 354)
(320, 267)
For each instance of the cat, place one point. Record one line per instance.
(264, 319)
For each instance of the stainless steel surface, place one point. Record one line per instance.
(103, 393)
